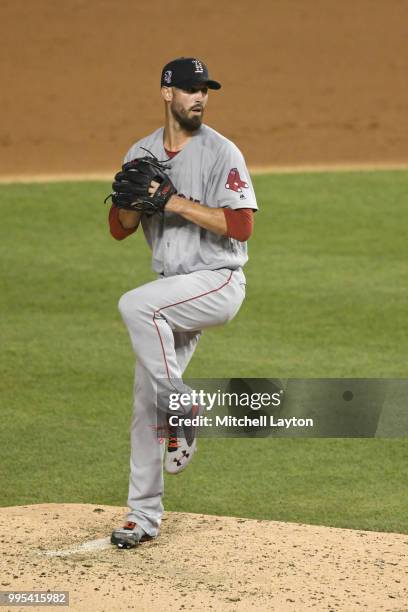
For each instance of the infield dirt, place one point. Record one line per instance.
(201, 562)
(304, 83)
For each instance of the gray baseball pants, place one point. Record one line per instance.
(164, 319)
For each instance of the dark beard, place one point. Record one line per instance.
(189, 124)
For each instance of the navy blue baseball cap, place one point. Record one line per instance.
(186, 72)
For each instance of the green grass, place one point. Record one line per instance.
(326, 297)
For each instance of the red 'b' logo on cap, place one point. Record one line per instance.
(235, 182)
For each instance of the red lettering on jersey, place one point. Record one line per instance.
(235, 182)
(181, 195)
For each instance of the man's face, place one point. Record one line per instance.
(187, 106)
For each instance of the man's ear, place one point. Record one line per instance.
(167, 93)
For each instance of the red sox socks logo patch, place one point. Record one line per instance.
(235, 182)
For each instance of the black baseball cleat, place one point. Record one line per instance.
(182, 444)
(129, 536)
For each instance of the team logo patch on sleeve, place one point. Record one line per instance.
(235, 182)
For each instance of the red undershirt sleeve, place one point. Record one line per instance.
(115, 226)
(240, 223)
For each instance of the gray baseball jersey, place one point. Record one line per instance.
(200, 285)
(209, 170)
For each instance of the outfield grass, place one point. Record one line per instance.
(326, 297)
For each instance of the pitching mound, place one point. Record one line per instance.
(200, 562)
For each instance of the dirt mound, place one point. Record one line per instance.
(200, 562)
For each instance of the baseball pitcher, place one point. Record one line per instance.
(188, 188)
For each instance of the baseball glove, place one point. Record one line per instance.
(131, 186)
